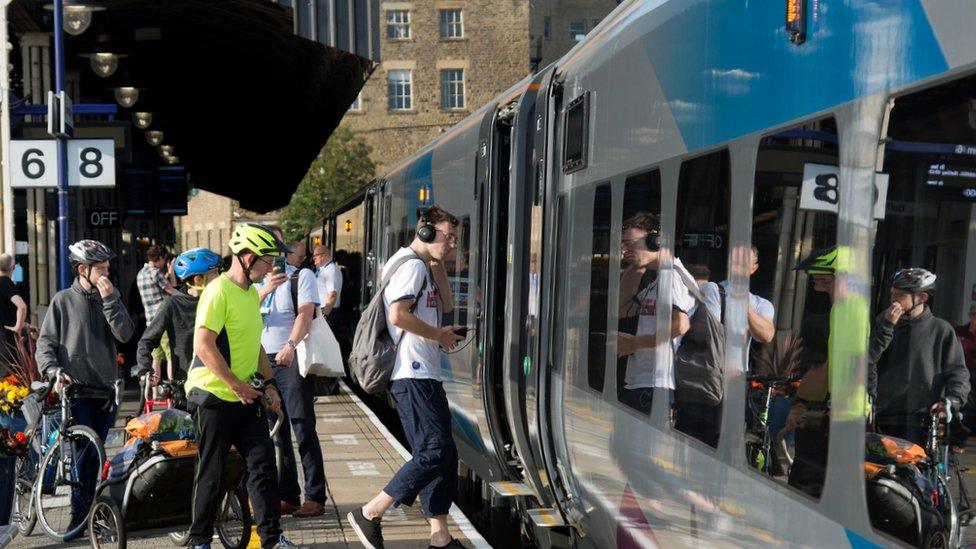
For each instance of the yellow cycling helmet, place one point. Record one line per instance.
(256, 238)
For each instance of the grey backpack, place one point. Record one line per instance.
(699, 362)
(373, 349)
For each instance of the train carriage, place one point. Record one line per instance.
(751, 144)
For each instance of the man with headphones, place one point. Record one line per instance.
(640, 248)
(417, 294)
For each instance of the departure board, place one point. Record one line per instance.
(951, 182)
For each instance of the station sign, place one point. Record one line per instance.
(821, 189)
(103, 218)
(91, 163)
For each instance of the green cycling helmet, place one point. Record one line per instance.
(256, 238)
(820, 262)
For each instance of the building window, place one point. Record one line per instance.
(357, 105)
(577, 29)
(398, 24)
(595, 23)
(547, 28)
(399, 85)
(452, 88)
(451, 24)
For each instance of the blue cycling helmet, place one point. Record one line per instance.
(197, 261)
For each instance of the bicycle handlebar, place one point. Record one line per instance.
(774, 380)
(277, 424)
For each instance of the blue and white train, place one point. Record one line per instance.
(852, 123)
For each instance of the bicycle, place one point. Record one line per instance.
(943, 467)
(169, 392)
(70, 460)
(759, 442)
(39, 427)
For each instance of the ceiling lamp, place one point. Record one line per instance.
(154, 137)
(142, 120)
(126, 96)
(76, 16)
(104, 64)
(172, 160)
(166, 150)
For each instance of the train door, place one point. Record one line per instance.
(370, 239)
(491, 196)
(525, 206)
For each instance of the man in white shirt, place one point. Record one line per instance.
(417, 295)
(329, 280)
(287, 306)
(641, 250)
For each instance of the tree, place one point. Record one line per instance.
(341, 168)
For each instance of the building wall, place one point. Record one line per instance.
(208, 223)
(559, 14)
(494, 54)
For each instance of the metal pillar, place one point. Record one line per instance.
(63, 279)
(7, 204)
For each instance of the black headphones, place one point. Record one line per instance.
(652, 241)
(426, 233)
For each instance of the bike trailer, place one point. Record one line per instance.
(900, 497)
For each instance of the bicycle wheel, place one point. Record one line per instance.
(25, 476)
(234, 520)
(106, 528)
(70, 474)
(950, 513)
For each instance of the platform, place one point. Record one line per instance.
(360, 457)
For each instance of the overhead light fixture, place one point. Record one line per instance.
(172, 160)
(77, 17)
(166, 150)
(103, 64)
(154, 137)
(126, 96)
(142, 120)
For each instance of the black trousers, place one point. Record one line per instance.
(298, 410)
(219, 424)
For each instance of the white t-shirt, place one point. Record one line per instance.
(329, 279)
(278, 311)
(761, 306)
(417, 357)
(642, 368)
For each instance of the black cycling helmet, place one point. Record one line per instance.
(820, 262)
(914, 280)
(88, 252)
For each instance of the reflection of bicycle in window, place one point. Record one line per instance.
(56, 482)
(760, 449)
(909, 488)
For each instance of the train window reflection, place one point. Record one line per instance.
(789, 302)
(599, 284)
(637, 371)
(924, 266)
(701, 236)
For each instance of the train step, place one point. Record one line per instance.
(507, 489)
(546, 518)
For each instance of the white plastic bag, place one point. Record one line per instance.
(318, 353)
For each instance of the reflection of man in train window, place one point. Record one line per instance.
(919, 359)
(637, 337)
(808, 412)
(760, 312)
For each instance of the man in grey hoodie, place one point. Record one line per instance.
(78, 336)
(917, 357)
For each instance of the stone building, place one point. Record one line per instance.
(441, 60)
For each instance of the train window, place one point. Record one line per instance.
(791, 289)
(458, 272)
(577, 130)
(637, 371)
(701, 249)
(923, 346)
(599, 285)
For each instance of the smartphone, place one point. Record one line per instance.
(462, 331)
(279, 263)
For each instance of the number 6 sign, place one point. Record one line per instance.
(91, 163)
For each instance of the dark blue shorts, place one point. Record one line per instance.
(431, 472)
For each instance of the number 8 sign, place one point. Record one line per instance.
(91, 163)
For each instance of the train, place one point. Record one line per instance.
(753, 133)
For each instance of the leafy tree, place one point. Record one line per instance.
(341, 168)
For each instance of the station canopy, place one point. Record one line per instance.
(246, 103)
